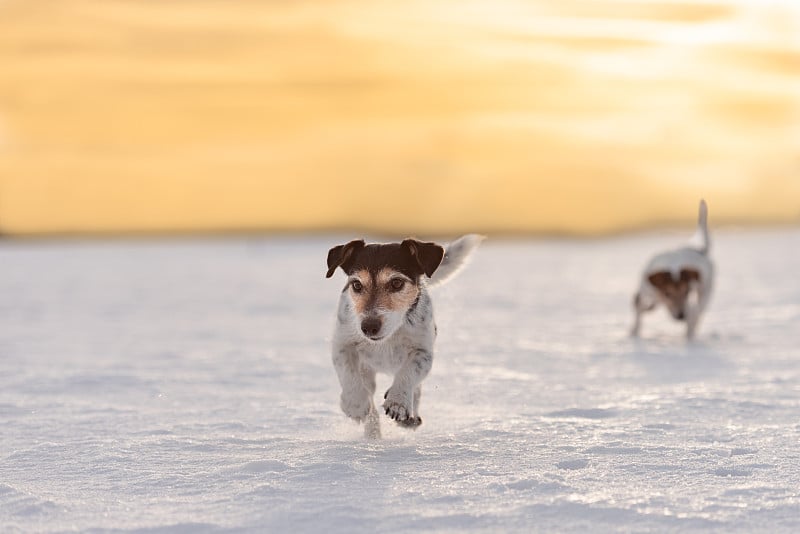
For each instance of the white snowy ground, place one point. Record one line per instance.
(185, 385)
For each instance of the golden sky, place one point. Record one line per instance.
(426, 117)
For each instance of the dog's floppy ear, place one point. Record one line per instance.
(660, 279)
(427, 256)
(342, 255)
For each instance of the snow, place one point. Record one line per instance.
(186, 386)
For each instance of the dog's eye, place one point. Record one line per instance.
(397, 284)
(357, 287)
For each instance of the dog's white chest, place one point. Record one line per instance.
(384, 358)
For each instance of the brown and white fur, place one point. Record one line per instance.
(680, 279)
(385, 322)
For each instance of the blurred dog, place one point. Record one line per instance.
(385, 322)
(679, 279)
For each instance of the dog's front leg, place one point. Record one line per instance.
(637, 310)
(356, 399)
(694, 305)
(399, 403)
(637, 323)
(640, 305)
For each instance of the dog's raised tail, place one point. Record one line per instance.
(701, 240)
(455, 257)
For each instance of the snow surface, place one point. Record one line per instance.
(186, 385)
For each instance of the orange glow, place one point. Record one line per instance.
(418, 117)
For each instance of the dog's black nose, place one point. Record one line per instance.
(681, 316)
(371, 326)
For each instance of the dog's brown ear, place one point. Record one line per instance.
(427, 256)
(687, 275)
(660, 279)
(342, 255)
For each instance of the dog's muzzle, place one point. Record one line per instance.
(371, 326)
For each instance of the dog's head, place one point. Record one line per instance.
(675, 292)
(383, 281)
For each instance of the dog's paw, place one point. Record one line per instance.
(355, 407)
(411, 422)
(396, 411)
(397, 407)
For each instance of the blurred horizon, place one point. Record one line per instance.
(430, 118)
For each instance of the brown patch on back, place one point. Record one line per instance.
(378, 294)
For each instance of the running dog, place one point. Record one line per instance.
(385, 322)
(679, 279)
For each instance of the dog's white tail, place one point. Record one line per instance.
(700, 240)
(455, 257)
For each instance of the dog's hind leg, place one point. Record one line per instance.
(372, 423)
